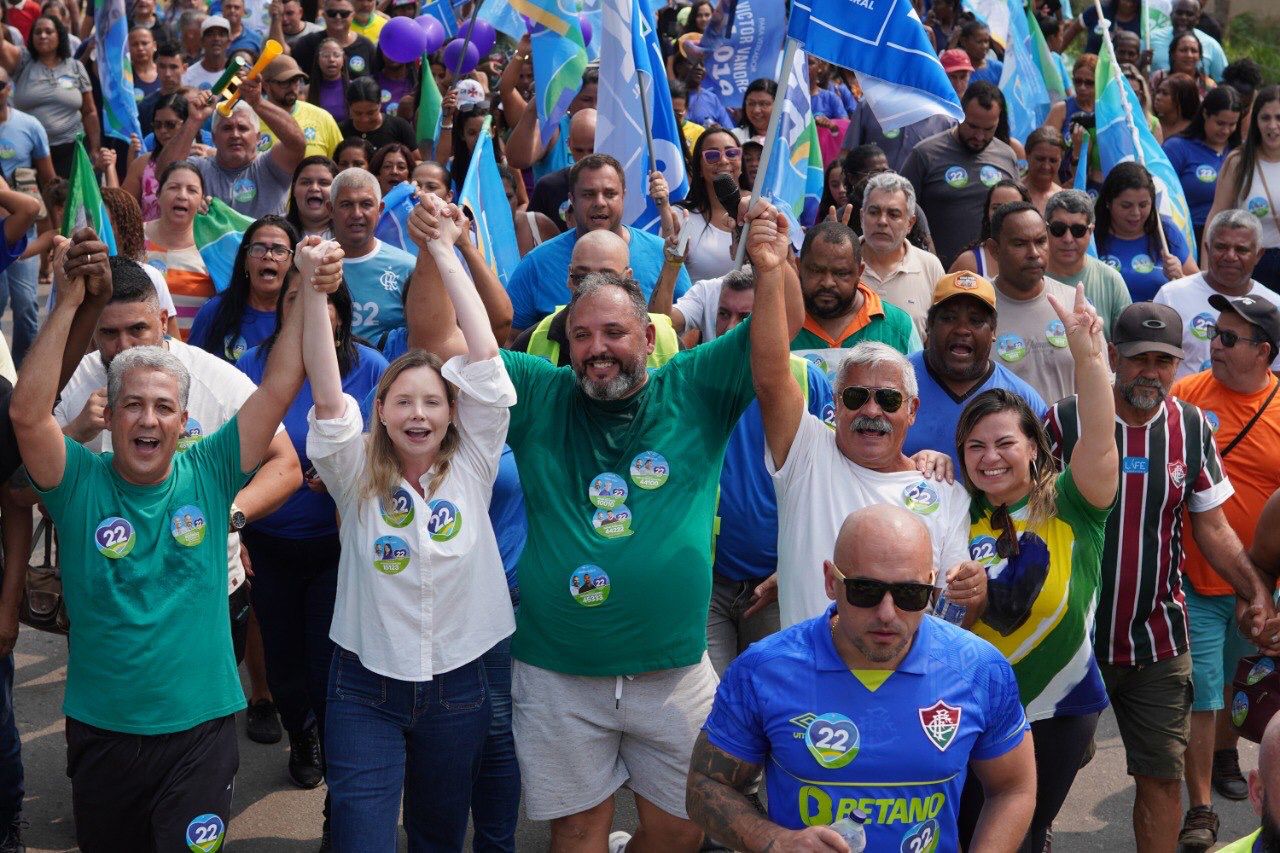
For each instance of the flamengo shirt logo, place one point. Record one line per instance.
(940, 722)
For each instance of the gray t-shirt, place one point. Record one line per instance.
(864, 129)
(255, 190)
(1105, 290)
(1032, 342)
(951, 184)
(308, 28)
(53, 95)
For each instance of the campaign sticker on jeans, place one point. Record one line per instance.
(390, 555)
(205, 834)
(607, 490)
(188, 526)
(921, 498)
(1011, 348)
(833, 740)
(649, 470)
(1260, 670)
(1056, 334)
(1199, 325)
(1239, 708)
(114, 537)
(444, 520)
(589, 585)
(921, 838)
(192, 432)
(612, 523)
(399, 512)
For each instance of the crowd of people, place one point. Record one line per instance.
(953, 469)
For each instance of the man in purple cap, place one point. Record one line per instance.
(1169, 465)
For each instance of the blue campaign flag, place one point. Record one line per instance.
(115, 72)
(393, 224)
(1024, 88)
(484, 197)
(885, 43)
(1082, 184)
(559, 58)
(503, 18)
(1123, 135)
(742, 43)
(629, 54)
(442, 12)
(793, 181)
(593, 12)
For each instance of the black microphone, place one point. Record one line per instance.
(726, 189)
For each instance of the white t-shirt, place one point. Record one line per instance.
(709, 255)
(157, 278)
(217, 392)
(1189, 296)
(817, 489)
(699, 307)
(198, 77)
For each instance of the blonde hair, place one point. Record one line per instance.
(382, 467)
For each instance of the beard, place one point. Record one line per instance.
(629, 377)
(840, 308)
(1143, 402)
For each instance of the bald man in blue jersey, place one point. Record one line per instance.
(872, 707)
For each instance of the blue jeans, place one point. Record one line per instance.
(18, 283)
(384, 736)
(11, 782)
(495, 796)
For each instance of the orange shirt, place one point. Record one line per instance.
(1252, 466)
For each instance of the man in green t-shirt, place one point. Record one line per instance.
(151, 679)
(619, 467)
(839, 309)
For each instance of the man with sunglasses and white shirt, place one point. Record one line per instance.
(1071, 222)
(1232, 247)
(869, 710)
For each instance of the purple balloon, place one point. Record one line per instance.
(435, 32)
(402, 40)
(483, 35)
(585, 23)
(453, 52)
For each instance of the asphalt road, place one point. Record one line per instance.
(272, 815)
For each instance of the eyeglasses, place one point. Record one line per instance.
(855, 397)
(713, 155)
(336, 13)
(1007, 541)
(160, 125)
(1228, 338)
(275, 250)
(866, 592)
(1077, 230)
(1082, 81)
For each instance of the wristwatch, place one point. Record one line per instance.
(237, 519)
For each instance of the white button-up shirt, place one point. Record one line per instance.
(421, 589)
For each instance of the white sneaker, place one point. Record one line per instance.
(618, 841)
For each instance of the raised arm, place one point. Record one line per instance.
(10, 53)
(513, 103)
(199, 108)
(497, 304)
(781, 400)
(1095, 461)
(524, 146)
(448, 222)
(23, 211)
(265, 408)
(318, 353)
(288, 152)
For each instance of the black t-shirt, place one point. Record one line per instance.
(393, 129)
(549, 196)
(10, 459)
(360, 54)
(558, 332)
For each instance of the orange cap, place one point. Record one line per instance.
(964, 283)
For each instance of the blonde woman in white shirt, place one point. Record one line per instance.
(421, 591)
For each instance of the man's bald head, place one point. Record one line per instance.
(599, 251)
(883, 535)
(582, 133)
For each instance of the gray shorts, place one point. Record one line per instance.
(580, 738)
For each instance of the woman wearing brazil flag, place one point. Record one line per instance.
(408, 709)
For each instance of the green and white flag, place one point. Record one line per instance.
(84, 201)
(1156, 15)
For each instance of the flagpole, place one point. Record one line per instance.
(1128, 117)
(462, 54)
(646, 110)
(775, 119)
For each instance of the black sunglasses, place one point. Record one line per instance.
(855, 397)
(1007, 541)
(337, 13)
(866, 593)
(1077, 230)
(1228, 338)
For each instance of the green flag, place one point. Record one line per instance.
(1044, 59)
(84, 201)
(428, 107)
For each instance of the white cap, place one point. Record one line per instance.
(215, 21)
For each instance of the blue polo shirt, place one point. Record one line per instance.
(899, 753)
(939, 412)
(747, 516)
(540, 283)
(1143, 272)
(1198, 167)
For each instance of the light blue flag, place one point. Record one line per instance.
(484, 197)
(559, 58)
(393, 224)
(885, 43)
(503, 18)
(115, 72)
(442, 12)
(1123, 135)
(593, 11)
(742, 43)
(1023, 86)
(629, 54)
(1082, 184)
(793, 181)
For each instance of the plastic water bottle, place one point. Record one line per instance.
(850, 829)
(944, 609)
